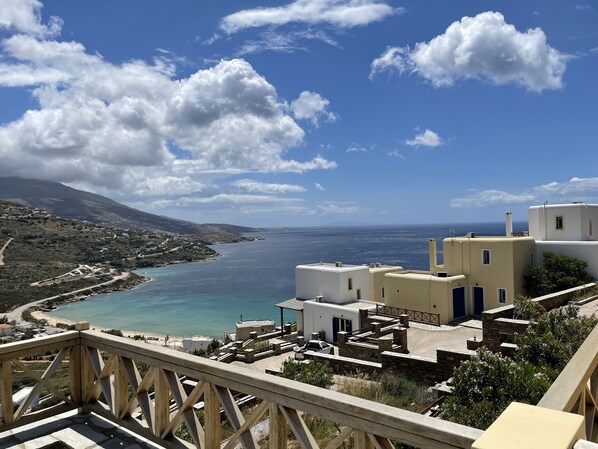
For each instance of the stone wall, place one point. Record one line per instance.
(499, 325)
(425, 369)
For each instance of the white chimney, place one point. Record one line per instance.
(509, 224)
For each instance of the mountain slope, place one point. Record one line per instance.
(67, 202)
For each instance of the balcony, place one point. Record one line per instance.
(154, 396)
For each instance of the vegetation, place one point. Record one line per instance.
(389, 388)
(524, 308)
(555, 274)
(485, 385)
(116, 332)
(44, 247)
(313, 372)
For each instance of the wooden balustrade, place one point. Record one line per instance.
(414, 315)
(576, 389)
(139, 387)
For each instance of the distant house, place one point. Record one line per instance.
(333, 295)
(478, 273)
(245, 327)
(196, 343)
(568, 230)
(6, 330)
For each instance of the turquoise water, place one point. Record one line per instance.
(249, 278)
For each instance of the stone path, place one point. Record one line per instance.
(2, 251)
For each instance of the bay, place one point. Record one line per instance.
(249, 278)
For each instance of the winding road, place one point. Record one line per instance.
(15, 314)
(2, 251)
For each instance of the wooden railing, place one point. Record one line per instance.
(139, 387)
(414, 315)
(576, 389)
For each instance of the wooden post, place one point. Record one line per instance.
(161, 404)
(6, 391)
(121, 389)
(278, 428)
(75, 374)
(362, 441)
(212, 418)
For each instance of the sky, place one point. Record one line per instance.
(305, 112)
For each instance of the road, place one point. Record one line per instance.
(2, 251)
(15, 315)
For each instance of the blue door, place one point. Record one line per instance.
(458, 302)
(478, 300)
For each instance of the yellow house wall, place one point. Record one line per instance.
(377, 281)
(509, 261)
(425, 293)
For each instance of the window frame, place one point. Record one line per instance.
(484, 253)
(559, 223)
(499, 290)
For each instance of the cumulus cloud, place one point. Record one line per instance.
(490, 198)
(428, 138)
(319, 186)
(483, 47)
(313, 107)
(24, 16)
(251, 186)
(338, 13)
(111, 127)
(576, 189)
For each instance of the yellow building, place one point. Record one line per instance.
(478, 273)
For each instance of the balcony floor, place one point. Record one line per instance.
(73, 430)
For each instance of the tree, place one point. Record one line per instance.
(555, 274)
(524, 308)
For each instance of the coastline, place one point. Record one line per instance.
(150, 337)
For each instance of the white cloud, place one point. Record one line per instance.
(357, 149)
(330, 208)
(319, 186)
(481, 47)
(576, 189)
(109, 127)
(313, 107)
(396, 153)
(24, 16)
(271, 40)
(339, 13)
(251, 186)
(426, 139)
(491, 197)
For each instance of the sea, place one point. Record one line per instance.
(249, 278)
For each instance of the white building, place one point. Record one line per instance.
(333, 295)
(567, 230)
(191, 344)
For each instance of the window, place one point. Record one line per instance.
(350, 283)
(383, 292)
(502, 295)
(486, 256)
(559, 222)
(358, 293)
(590, 223)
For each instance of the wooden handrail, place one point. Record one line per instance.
(103, 363)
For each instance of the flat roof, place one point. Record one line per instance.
(332, 266)
(292, 304)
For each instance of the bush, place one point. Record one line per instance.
(312, 372)
(485, 385)
(524, 308)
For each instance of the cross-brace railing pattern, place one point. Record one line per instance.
(414, 315)
(158, 393)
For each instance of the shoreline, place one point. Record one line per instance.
(150, 337)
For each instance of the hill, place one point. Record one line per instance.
(42, 255)
(63, 201)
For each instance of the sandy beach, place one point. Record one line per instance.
(150, 337)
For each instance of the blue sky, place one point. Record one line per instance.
(305, 112)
